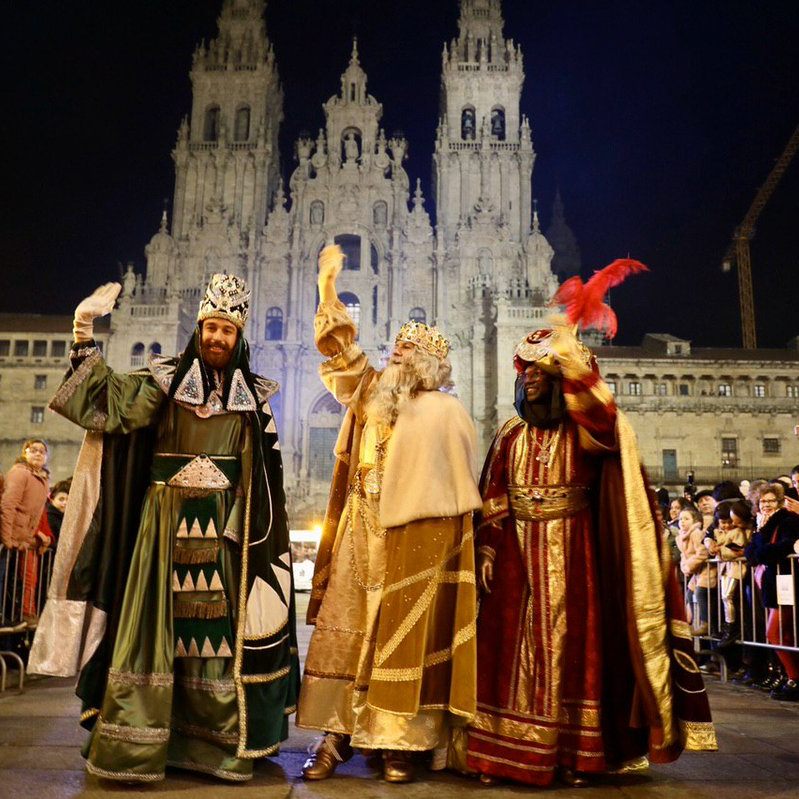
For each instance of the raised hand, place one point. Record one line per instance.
(331, 262)
(100, 303)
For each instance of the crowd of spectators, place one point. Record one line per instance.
(736, 547)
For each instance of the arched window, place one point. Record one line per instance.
(468, 127)
(418, 315)
(241, 131)
(374, 304)
(317, 212)
(351, 245)
(137, 354)
(211, 126)
(498, 122)
(353, 306)
(323, 424)
(274, 324)
(155, 348)
(374, 258)
(380, 213)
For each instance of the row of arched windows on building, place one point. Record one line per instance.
(469, 123)
(213, 120)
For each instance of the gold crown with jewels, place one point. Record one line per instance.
(227, 297)
(425, 337)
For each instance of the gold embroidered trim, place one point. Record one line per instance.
(680, 629)
(134, 735)
(514, 763)
(542, 502)
(122, 775)
(381, 655)
(223, 773)
(203, 684)
(489, 552)
(327, 675)
(68, 388)
(155, 679)
(433, 659)
(333, 628)
(87, 714)
(193, 731)
(698, 736)
(256, 679)
(522, 747)
(189, 609)
(686, 661)
(495, 506)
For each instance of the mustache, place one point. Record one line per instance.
(216, 345)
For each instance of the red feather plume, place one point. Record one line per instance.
(584, 302)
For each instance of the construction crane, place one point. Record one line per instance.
(738, 251)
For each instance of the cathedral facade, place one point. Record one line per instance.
(480, 270)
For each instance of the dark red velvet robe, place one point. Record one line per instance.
(562, 680)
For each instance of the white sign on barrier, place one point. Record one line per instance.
(785, 590)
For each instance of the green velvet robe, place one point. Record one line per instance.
(120, 605)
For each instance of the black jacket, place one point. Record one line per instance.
(783, 529)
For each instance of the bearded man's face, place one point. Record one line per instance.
(217, 340)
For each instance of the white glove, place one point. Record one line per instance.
(100, 303)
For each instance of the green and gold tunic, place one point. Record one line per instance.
(190, 659)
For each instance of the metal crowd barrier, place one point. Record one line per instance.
(749, 629)
(24, 581)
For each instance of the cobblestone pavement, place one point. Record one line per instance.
(40, 742)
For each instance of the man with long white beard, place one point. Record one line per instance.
(391, 664)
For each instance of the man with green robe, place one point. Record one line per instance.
(172, 589)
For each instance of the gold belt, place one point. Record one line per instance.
(538, 503)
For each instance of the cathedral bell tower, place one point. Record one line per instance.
(483, 150)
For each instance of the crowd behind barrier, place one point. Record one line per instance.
(24, 582)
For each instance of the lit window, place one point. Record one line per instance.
(725, 390)
(661, 389)
(137, 355)
(634, 388)
(771, 446)
(37, 414)
(611, 384)
(729, 452)
(40, 381)
(792, 391)
(759, 390)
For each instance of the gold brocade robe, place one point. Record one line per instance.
(392, 659)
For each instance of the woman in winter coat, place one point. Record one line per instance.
(693, 564)
(21, 528)
(770, 548)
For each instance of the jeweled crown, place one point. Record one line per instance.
(227, 297)
(535, 348)
(425, 337)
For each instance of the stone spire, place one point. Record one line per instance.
(567, 260)
(353, 79)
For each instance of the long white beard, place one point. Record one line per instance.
(395, 386)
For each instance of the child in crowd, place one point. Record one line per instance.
(732, 536)
(693, 564)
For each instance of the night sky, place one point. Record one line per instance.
(658, 120)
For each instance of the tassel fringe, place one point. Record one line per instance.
(194, 555)
(186, 609)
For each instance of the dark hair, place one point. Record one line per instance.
(795, 469)
(726, 490)
(705, 492)
(61, 487)
(742, 509)
(694, 512)
(722, 510)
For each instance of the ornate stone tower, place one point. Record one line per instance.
(349, 187)
(493, 259)
(226, 172)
